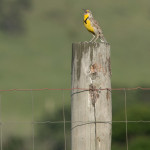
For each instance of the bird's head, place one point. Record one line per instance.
(87, 12)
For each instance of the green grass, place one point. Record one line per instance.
(42, 56)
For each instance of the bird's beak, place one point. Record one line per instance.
(84, 10)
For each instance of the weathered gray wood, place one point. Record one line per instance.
(91, 69)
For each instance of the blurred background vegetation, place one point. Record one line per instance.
(35, 45)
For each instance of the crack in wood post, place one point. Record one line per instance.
(95, 129)
(94, 94)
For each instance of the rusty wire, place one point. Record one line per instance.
(87, 89)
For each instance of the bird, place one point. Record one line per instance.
(92, 26)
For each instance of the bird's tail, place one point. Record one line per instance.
(103, 39)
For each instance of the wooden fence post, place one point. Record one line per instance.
(91, 110)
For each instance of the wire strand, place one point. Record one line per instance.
(68, 121)
(64, 120)
(86, 89)
(126, 119)
(33, 134)
(1, 125)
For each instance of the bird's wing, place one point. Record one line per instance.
(96, 25)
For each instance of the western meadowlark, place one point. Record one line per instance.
(92, 26)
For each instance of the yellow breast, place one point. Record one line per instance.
(87, 23)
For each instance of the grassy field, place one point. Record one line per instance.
(40, 57)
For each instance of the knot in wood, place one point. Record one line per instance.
(93, 71)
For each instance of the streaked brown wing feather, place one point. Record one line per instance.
(95, 24)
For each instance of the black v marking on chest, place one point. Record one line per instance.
(85, 21)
